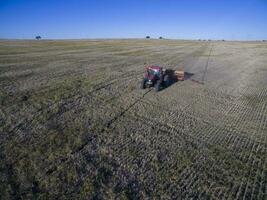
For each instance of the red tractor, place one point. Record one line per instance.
(157, 77)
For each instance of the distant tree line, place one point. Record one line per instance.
(148, 37)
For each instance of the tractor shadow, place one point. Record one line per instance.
(188, 75)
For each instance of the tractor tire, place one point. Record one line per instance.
(167, 81)
(157, 86)
(143, 84)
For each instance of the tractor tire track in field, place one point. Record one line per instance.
(206, 66)
(106, 127)
(126, 109)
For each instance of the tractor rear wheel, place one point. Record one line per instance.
(167, 81)
(157, 86)
(143, 84)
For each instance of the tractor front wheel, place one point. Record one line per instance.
(143, 84)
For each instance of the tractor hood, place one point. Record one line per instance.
(150, 76)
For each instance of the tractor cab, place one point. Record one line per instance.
(153, 73)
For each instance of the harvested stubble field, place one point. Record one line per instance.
(75, 125)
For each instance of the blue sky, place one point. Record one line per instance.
(184, 19)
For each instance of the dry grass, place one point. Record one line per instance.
(74, 123)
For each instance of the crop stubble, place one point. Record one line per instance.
(75, 124)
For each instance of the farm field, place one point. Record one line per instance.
(75, 125)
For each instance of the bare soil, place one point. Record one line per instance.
(75, 125)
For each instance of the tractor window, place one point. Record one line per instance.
(153, 72)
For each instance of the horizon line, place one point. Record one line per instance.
(134, 38)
